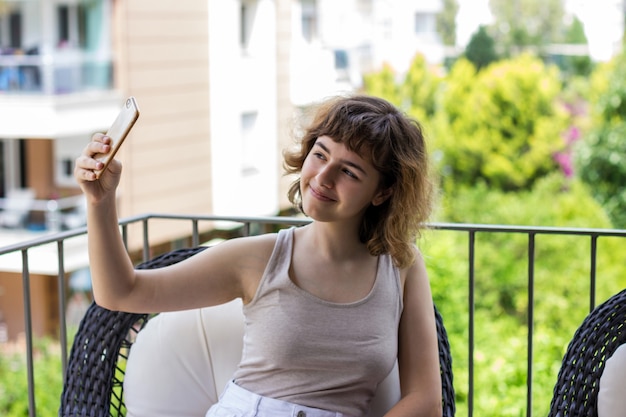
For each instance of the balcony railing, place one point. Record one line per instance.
(45, 215)
(58, 73)
(249, 225)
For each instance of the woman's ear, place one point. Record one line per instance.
(382, 196)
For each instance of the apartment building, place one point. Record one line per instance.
(219, 84)
(211, 80)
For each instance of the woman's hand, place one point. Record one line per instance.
(97, 189)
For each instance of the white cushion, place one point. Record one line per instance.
(612, 393)
(176, 369)
(182, 361)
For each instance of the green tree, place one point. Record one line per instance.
(501, 126)
(419, 89)
(601, 156)
(415, 92)
(446, 22)
(383, 84)
(501, 276)
(576, 64)
(520, 24)
(48, 379)
(481, 50)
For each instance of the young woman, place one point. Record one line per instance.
(329, 306)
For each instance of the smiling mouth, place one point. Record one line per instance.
(320, 196)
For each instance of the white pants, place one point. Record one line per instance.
(239, 402)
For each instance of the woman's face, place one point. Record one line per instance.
(338, 184)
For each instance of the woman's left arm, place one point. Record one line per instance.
(418, 354)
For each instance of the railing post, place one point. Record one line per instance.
(531, 314)
(471, 306)
(125, 235)
(62, 305)
(592, 272)
(249, 226)
(28, 326)
(195, 237)
(146, 243)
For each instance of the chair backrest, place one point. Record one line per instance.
(200, 346)
(594, 342)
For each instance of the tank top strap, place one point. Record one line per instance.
(277, 270)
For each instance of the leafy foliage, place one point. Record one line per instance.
(383, 84)
(561, 283)
(419, 89)
(446, 22)
(495, 135)
(601, 157)
(576, 65)
(523, 23)
(48, 380)
(500, 126)
(416, 91)
(481, 49)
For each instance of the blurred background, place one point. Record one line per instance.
(222, 85)
(523, 104)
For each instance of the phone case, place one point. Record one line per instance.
(118, 131)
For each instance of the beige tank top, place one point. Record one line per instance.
(308, 351)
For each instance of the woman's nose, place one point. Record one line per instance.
(325, 176)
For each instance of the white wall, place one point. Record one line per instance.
(243, 82)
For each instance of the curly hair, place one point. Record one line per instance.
(395, 145)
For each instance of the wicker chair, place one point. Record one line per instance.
(93, 384)
(595, 341)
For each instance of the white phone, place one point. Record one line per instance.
(118, 131)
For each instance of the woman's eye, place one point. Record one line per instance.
(318, 155)
(350, 174)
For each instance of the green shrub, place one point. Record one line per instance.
(501, 126)
(561, 280)
(418, 91)
(383, 83)
(415, 91)
(47, 375)
(481, 50)
(600, 157)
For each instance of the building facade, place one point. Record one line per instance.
(221, 85)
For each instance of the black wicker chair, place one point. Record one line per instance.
(595, 341)
(95, 373)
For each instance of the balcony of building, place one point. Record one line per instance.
(56, 68)
(57, 252)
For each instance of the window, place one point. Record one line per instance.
(71, 25)
(341, 59)
(15, 29)
(12, 165)
(63, 24)
(425, 23)
(248, 11)
(11, 29)
(65, 151)
(309, 20)
(249, 144)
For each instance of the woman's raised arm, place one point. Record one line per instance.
(229, 270)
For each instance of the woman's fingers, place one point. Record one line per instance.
(100, 144)
(86, 163)
(84, 168)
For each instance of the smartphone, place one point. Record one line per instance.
(118, 131)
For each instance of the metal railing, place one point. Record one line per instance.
(246, 223)
(56, 73)
(58, 213)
